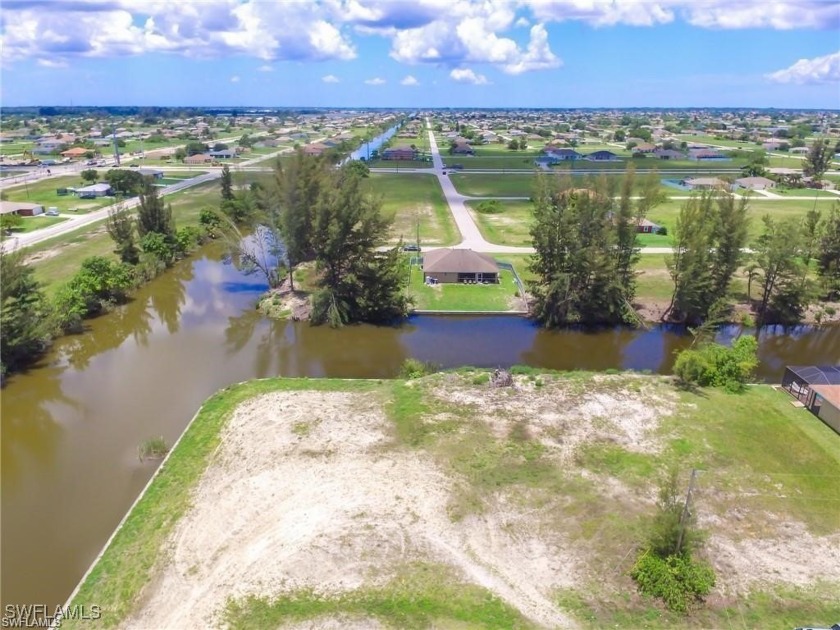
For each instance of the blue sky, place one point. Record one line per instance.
(422, 53)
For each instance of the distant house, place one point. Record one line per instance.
(75, 152)
(602, 156)
(644, 147)
(706, 154)
(818, 388)
(646, 226)
(463, 149)
(316, 148)
(669, 154)
(459, 265)
(93, 191)
(223, 154)
(21, 208)
(402, 152)
(154, 173)
(771, 146)
(198, 158)
(703, 183)
(755, 183)
(563, 155)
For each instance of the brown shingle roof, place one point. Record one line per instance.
(458, 261)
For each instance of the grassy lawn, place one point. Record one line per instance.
(30, 224)
(13, 148)
(399, 164)
(411, 198)
(804, 192)
(462, 297)
(774, 465)
(44, 192)
(516, 161)
(509, 227)
(666, 213)
(480, 185)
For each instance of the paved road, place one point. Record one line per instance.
(77, 222)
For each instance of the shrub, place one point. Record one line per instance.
(414, 368)
(718, 366)
(489, 207)
(678, 580)
(481, 379)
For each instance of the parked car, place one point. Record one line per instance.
(52, 212)
(411, 247)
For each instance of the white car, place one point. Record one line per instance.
(52, 212)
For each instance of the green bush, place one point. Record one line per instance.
(481, 379)
(490, 207)
(678, 580)
(414, 368)
(714, 365)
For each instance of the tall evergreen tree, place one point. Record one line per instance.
(583, 269)
(227, 184)
(784, 297)
(356, 282)
(120, 226)
(24, 313)
(708, 242)
(828, 256)
(153, 215)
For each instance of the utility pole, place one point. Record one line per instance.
(684, 515)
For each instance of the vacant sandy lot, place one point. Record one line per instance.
(298, 496)
(310, 490)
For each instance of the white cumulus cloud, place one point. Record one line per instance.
(467, 75)
(265, 68)
(234, 79)
(409, 80)
(825, 69)
(375, 81)
(330, 78)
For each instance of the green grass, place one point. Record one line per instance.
(125, 567)
(509, 227)
(410, 198)
(397, 165)
(462, 297)
(30, 224)
(480, 185)
(43, 192)
(422, 596)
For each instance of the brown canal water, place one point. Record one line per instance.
(71, 426)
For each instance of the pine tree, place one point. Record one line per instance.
(120, 226)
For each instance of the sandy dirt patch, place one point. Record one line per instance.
(565, 418)
(786, 554)
(306, 491)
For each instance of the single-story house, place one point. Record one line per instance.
(224, 154)
(562, 155)
(644, 147)
(771, 146)
(703, 183)
(818, 388)
(451, 265)
(198, 158)
(669, 154)
(316, 148)
(94, 190)
(755, 183)
(402, 152)
(706, 154)
(154, 173)
(463, 149)
(602, 156)
(75, 152)
(646, 226)
(21, 208)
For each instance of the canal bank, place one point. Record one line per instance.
(72, 424)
